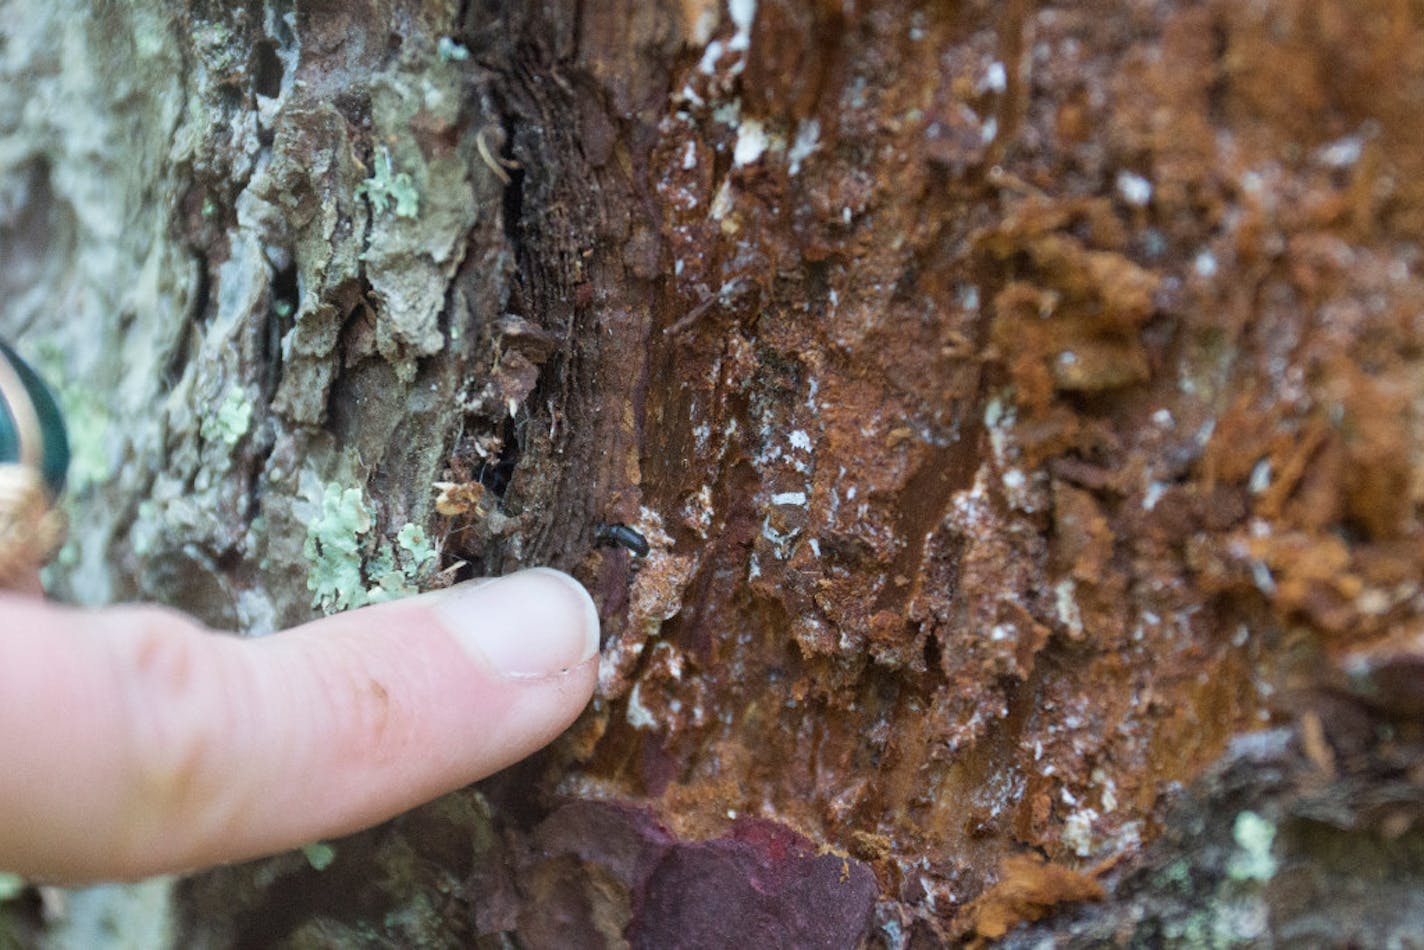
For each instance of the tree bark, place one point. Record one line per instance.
(1018, 403)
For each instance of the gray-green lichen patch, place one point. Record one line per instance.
(231, 420)
(387, 189)
(319, 855)
(1254, 835)
(341, 558)
(414, 542)
(335, 539)
(10, 885)
(449, 51)
(400, 568)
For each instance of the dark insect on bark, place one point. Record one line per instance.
(622, 536)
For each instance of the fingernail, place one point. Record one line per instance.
(534, 623)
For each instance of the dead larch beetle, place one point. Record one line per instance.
(622, 536)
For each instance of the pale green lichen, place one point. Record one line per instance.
(232, 420)
(412, 539)
(11, 885)
(450, 51)
(1254, 835)
(398, 571)
(333, 550)
(319, 855)
(387, 187)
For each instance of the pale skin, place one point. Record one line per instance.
(134, 742)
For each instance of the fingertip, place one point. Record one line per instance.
(579, 603)
(538, 622)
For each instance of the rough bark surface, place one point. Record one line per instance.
(1020, 402)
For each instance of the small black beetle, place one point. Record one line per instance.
(622, 536)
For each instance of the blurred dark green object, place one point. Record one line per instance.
(55, 450)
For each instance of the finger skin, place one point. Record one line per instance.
(134, 742)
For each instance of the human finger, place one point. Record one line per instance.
(133, 741)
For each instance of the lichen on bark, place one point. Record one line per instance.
(1018, 400)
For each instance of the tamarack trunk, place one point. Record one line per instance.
(1020, 406)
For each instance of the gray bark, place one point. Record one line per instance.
(195, 245)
